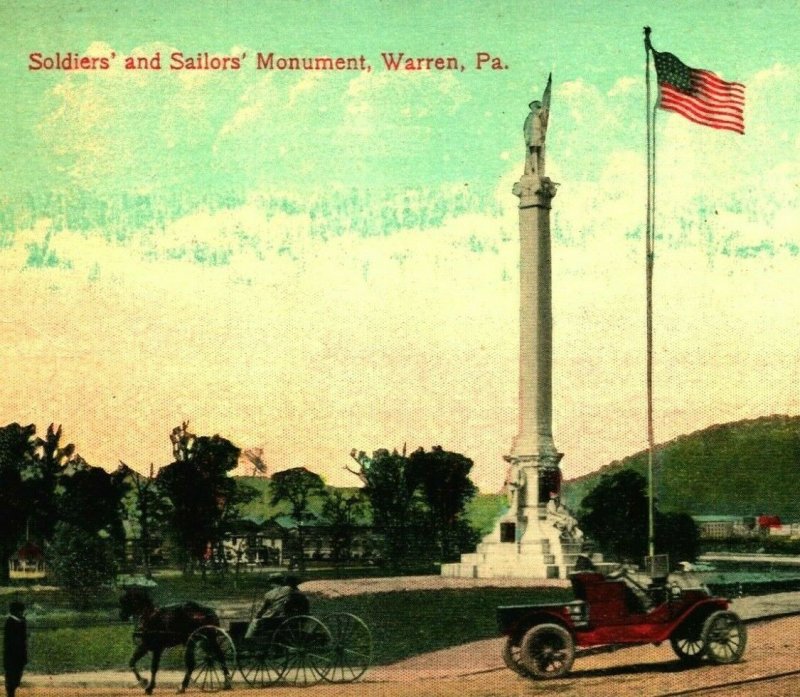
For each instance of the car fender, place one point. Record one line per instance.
(695, 613)
(523, 621)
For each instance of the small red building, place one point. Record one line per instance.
(765, 522)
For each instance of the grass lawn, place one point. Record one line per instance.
(403, 624)
(414, 622)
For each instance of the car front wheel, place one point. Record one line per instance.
(724, 637)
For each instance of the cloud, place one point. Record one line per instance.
(133, 129)
(310, 346)
(722, 193)
(336, 126)
(312, 322)
(168, 131)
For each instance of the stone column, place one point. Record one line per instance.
(524, 543)
(533, 456)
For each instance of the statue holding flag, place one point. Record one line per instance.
(534, 130)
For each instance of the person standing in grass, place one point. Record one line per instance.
(15, 646)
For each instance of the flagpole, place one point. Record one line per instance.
(649, 258)
(703, 98)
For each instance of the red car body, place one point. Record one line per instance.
(609, 613)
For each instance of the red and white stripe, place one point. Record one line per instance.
(714, 102)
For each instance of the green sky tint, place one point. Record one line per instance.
(179, 135)
(137, 143)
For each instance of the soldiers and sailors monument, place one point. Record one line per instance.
(537, 537)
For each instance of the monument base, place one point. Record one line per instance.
(519, 548)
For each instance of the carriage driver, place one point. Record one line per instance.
(283, 599)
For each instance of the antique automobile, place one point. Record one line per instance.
(617, 611)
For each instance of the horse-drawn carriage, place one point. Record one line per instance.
(301, 650)
(298, 650)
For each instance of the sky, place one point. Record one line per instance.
(314, 261)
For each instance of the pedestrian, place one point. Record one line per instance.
(15, 646)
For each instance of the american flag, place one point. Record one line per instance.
(546, 101)
(699, 95)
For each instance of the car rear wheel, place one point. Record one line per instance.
(511, 653)
(724, 637)
(547, 651)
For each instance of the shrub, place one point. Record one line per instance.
(81, 562)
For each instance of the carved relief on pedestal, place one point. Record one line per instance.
(530, 481)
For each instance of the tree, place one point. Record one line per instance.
(297, 486)
(677, 534)
(418, 502)
(239, 495)
(31, 475)
(16, 457)
(340, 513)
(51, 460)
(397, 507)
(91, 499)
(444, 479)
(81, 561)
(615, 515)
(199, 490)
(150, 509)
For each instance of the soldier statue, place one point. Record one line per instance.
(534, 130)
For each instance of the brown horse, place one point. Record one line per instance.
(161, 627)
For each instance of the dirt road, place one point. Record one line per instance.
(474, 670)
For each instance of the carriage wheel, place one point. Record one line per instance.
(511, 655)
(352, 647)
(257, 665)
(687, 643)
(547, 651)
(303, 646)
(213, 655)
(724, 637)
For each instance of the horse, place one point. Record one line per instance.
(161, 627)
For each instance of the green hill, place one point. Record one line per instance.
(482, 511)
(260, 507)
(742, 468)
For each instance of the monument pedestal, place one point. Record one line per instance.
(546, 558)
(524, 542)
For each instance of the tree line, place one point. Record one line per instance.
(413, 504)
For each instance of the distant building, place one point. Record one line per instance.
(318, 539)
(27, 563)
(722, 527)
(255, 542)
(779, 531)
(765, 522)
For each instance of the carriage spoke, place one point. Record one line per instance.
(214, 654)
(259, 667)
(304, 644)
(351, 648)
(301, 651)
(208, 648)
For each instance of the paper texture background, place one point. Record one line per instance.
(313, 260)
